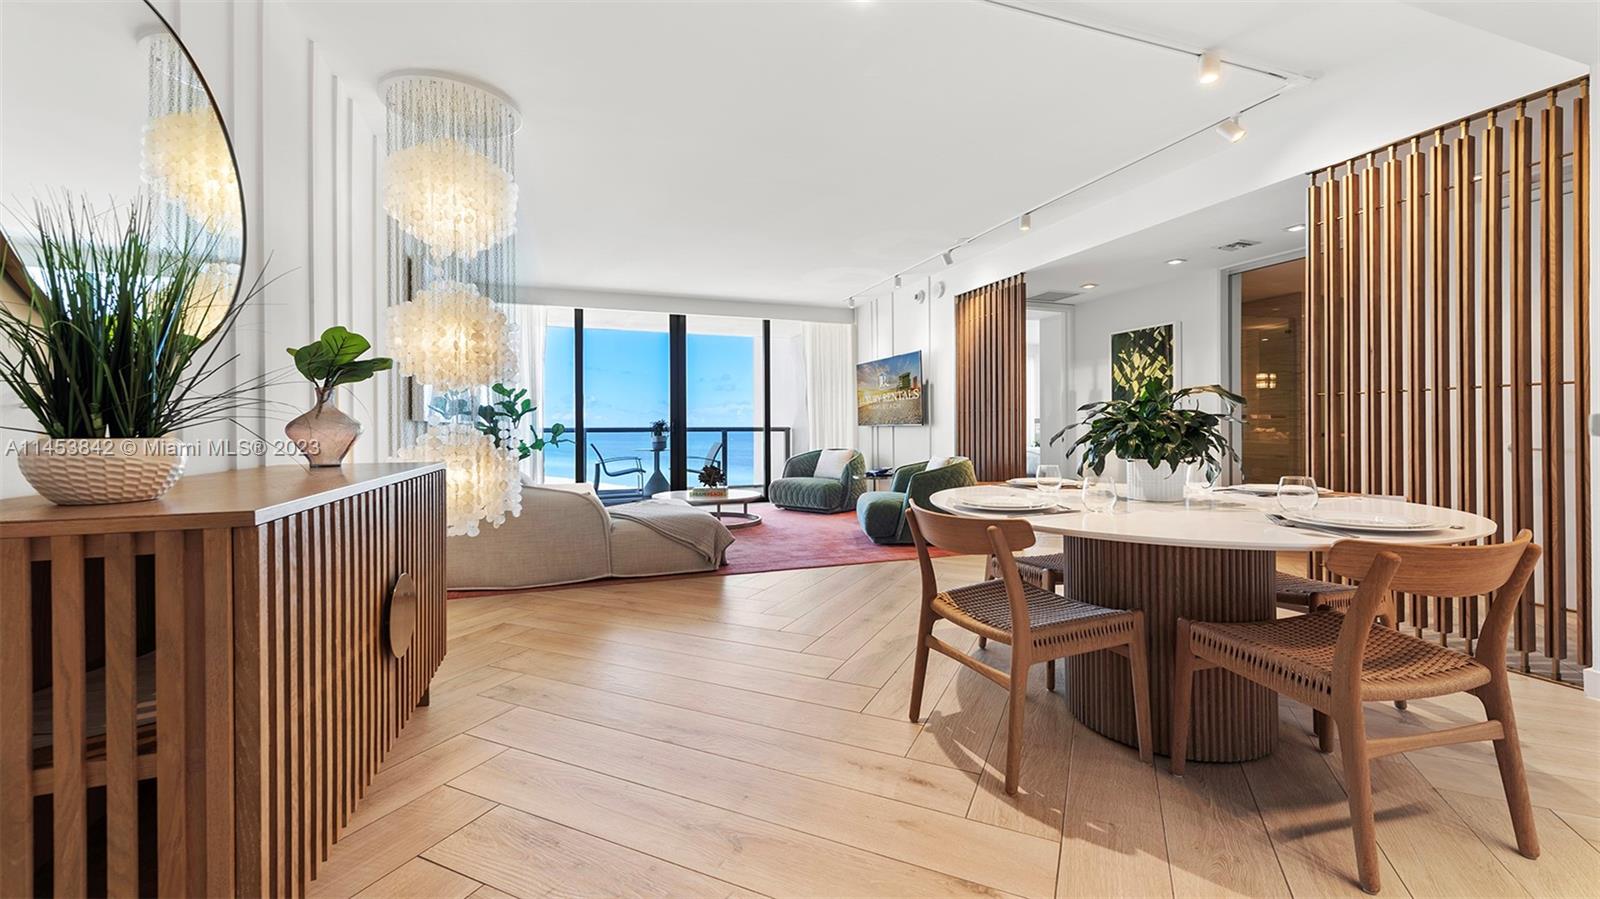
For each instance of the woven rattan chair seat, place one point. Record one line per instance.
(1050, 615)
(1301, 591)
(1294, 656)
(1056, 562)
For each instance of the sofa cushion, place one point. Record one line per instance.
(833, 463)
(880, 513)
(806, 493)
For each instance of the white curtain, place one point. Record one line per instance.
(830, 385)
(530, 320)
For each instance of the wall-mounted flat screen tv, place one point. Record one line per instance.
(889, 391)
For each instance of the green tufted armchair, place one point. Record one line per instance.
(800, 489)
(882, 513)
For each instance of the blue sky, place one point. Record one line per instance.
(626, 378)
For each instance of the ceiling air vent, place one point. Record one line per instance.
(1240, 244)
(1059, 297)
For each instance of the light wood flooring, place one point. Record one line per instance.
(747, 735)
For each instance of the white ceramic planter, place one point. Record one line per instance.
(1155, 485)
(90, 471)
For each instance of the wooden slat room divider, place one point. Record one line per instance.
(991, 357)
(1441, 307)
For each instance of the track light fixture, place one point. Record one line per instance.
(1025, 223)
(1210, 68)
(897, 280)
(1231, 130)
(949, 257)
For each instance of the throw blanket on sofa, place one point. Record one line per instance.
(681, 523)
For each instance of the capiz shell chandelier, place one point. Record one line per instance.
(448, 180)
(451, 337)
(185, 153)
(482, 481)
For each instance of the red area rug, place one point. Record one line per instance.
(784, 540)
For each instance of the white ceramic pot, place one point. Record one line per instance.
(90, 471)
(1155, 485)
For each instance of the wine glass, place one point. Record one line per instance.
(1099, 491)
(1049, 479)
(1297, 494)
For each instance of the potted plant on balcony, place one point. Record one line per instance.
(113, 347)
(1156, 436)
(658, 435)
(324, 434)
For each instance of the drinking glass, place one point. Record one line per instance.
(1202, 479)
(1049, 479)
(1297, 494)
(1099, 491)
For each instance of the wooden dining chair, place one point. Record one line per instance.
(1038, 625)
(1335, 661)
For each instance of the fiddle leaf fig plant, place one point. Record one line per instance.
(334, 359)
(1152, 427)
(501, 418)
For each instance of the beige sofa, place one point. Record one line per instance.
(565, 534)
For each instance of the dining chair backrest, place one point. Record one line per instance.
(961, 534)
(1500, 569)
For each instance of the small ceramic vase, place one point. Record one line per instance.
(325, 435)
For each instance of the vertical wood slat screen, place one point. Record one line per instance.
(991, 385)
(1440, 307)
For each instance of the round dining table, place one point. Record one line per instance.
(1211, 558)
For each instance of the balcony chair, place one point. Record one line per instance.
(612, 467)
(882, 513)
(1038, 626)
(1335, 661)
(820, 481)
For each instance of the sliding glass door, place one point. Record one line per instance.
(725, 381)
(627, 401)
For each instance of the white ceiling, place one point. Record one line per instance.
(1140, 260)
(783, 151)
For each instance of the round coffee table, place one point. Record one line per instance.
(736, 496)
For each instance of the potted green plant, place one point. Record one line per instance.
(712, 480)
(1156, 436)
(324, 434)
(112, 347)
(501, 419)
(658, 434)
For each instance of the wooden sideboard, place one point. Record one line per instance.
(196, 691)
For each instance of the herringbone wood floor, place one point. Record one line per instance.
(747, 735)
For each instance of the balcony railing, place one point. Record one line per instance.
(579, 463)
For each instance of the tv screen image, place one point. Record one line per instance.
(889, 391)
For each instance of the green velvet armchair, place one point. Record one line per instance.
(882, 513)
(800, 489)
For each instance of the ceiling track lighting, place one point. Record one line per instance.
(1210, 68)
(949, 257)
(897, 280)
(1025, 223)
(1230, 130)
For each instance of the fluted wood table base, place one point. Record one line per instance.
(1234, 721)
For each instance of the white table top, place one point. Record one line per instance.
(735, 495)
(1226, 521)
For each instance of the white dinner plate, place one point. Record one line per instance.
(1002, 503)
(1375, 522)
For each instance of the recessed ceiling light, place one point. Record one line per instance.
(1089, 285)
(1176, 261)
(1295, 229)
(1025, 222)
(1210, 68)
(1231, 130)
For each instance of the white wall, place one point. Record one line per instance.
(896, 324)
(1194, 302)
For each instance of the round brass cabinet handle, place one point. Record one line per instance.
(402, 614)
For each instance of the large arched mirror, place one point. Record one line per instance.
(103, 109)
